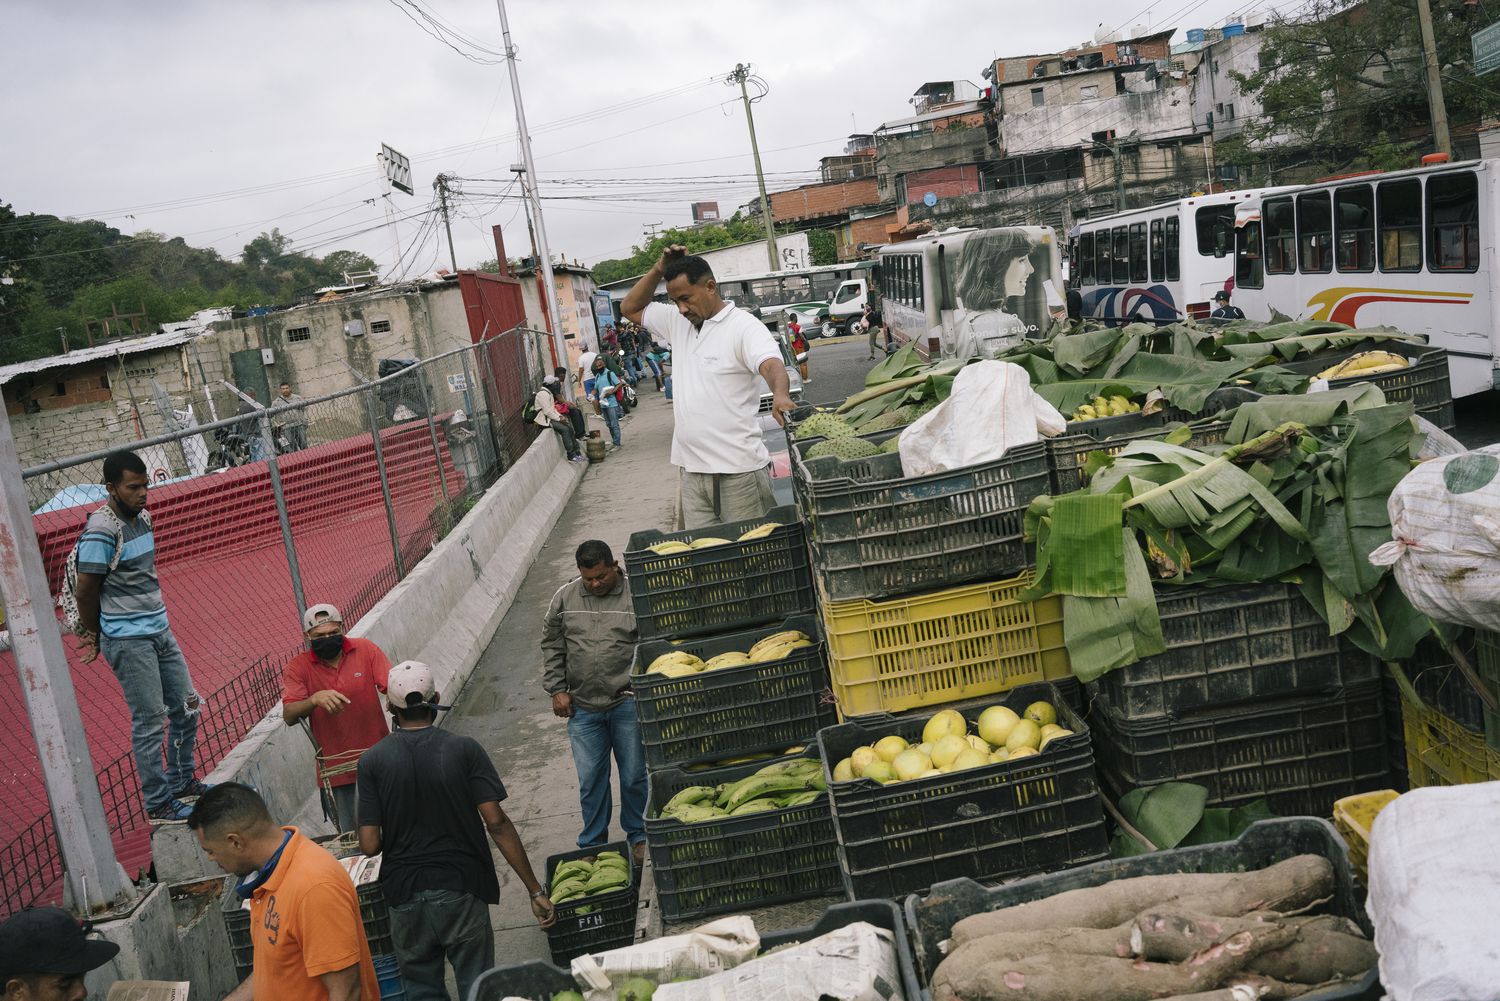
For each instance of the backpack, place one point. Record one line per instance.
(67, 597)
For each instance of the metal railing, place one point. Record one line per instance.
(255, 517)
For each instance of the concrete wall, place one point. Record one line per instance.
(1164, 111)
(443, 613)
(1215, 93)
(421, 324)
(1017, 99)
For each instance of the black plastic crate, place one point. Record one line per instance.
(1298, 754)
(1069, 452)
(1440, 683)
(1234, 644)
(736, 863)
(879, 534)
(596, 923)
(1487, 665)
(1425, 384)
(714, 590)
(377, 918)
(732, 711)
(1395, 733)
(998, 821)
(237, 927)
(538, 981)
(932, 914)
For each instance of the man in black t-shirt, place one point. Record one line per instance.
(426, 799)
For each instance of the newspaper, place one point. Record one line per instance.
(361, 868)
(148, 990)
(706, 950)
(854, 963)
(713, 962)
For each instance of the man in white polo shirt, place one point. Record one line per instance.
(719, 355)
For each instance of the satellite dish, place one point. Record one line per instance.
(930, 199)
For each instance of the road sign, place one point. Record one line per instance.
(397, 168)
(1487, 49)
(457, 384)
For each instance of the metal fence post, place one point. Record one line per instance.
(437, 452)
(92, 876)
(385, 483)
(268, 440)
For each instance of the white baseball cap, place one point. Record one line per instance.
(407, 678)
(321, 613)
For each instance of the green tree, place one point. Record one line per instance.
(1343, 85)
(735, 230)
(348, 262)
(823, 246)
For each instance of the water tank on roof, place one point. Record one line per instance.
(1231, 30)
(1102, 34)
(1139, 31)
(1195, 36)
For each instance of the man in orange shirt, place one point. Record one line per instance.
(304, 911)
(335, 685)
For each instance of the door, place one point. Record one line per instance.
(249, 373)
(849, 301)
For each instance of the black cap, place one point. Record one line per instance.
(1221, 294)
(50, 940)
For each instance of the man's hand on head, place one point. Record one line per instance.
(671, 253)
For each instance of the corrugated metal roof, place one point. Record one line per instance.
(99, 352)
(951, 111)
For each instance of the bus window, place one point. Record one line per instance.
(1138, 262)
(1172, 243)
(1248, 266)
(1158, 265)
(737, 292)
(1103, 259)
(1215, 225)
(1400, 222)
(1280, 236)
(1086, 259)
(1453, 222)
(1314, 233)
(1354, 216)
(1121, 236)
(918, 296)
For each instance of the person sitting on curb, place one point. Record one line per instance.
(548, 414)
(44, 953)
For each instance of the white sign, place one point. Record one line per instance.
(457, 384)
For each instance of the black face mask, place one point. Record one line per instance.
(327, 647)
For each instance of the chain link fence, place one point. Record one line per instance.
(256, 516)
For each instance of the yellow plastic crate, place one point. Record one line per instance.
(931, 649)
(1354, 816)
(1440, 752)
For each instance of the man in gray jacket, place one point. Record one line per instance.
(588, 641)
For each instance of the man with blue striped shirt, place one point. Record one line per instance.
(125, 619)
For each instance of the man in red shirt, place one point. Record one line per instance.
(336, 685)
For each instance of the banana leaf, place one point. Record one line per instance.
(1175, 814)
(901, 364)
(1184, 382)
(1078, 354)
(1312, 409)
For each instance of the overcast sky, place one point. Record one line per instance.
(214, 120)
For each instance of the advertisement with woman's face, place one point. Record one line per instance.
(998, 291)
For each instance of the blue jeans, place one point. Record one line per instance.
(441, 924)
(612, 418)
(593, 736)
(154, 678)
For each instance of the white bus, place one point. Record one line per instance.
(971, 292)
(1412, 249)
(1157, 264)
(831, 294)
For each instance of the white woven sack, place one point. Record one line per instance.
(1445, 529)
(1435, 894)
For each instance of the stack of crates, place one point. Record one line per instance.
(594, 923)
(1447, 729)
(1252, 699)
(920, 583)
(719, 725)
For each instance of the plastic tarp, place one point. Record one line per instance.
(992, 408)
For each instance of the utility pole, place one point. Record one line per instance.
(740, 76)
(1435, 103)
(544, 253)
(652, 227)
(1114, 149)
(441, 183)
(93, 880)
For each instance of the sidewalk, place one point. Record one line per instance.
(503, 706)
